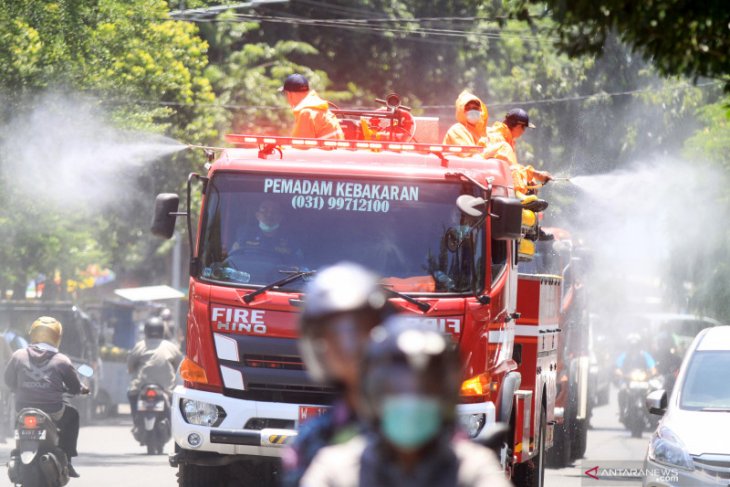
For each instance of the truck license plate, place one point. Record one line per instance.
(309, 412)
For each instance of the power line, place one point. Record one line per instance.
(472, 36)
(581, 97)
(424, 107)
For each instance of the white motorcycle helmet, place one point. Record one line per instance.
(340, 298)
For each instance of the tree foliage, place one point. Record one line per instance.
(122, 53)
(680, 38)
(193, 80)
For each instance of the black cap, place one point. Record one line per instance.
(295, 83)
(517, 116)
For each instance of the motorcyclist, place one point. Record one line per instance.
(634, 358)
(40, 375)
(153, 360)
(410, 388)
(344, 303)
(167, 320)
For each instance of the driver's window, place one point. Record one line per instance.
(499, 258)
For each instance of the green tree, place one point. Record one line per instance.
(125, 54)
(680, 38)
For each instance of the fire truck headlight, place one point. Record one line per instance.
(472, 424)
(201, 413)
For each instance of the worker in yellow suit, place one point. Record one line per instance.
(312, 116)
(502, 138)
(471, 122)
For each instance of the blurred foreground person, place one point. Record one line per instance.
(312, 116)
(410, 388)
(471, 122)
(153, 360)
(343, 304)
(39, 376)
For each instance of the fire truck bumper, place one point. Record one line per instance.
(226, 435)
(477, 419)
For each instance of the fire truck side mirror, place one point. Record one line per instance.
(471, 205)
(506, 218)
(163, 221)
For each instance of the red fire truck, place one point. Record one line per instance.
(440, 226)
(568, 259)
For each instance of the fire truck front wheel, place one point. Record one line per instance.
(198, 476)
(532, 472)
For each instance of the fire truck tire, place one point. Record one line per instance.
(578, 449)
(559, 455)
(532, 472)
(198, 476)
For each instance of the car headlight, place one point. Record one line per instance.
(666, 448)
(201, 413)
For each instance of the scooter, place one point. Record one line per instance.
(635, 389)
(37, 461)
(153, 408)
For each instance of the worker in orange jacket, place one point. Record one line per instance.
(502, 138)
(471, 126)
(312, 116)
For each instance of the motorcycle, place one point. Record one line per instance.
(37, 461)
(635, 388)
(153, 422)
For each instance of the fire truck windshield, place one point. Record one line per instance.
(259, 228)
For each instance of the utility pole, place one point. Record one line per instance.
(176, 280)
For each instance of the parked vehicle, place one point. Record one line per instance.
(690, 447)
(153, 410)
(37, 461)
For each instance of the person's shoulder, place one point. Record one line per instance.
(336, 465)
(62, 359)
(343, 454)
(170, 345)
(478, 465)
(16, 354)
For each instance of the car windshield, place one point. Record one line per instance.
(260, 228)
(705, 384)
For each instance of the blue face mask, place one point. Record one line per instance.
(409, 421)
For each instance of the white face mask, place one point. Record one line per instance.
(474, 116)
(267, 228)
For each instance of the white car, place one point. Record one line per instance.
(691, 446)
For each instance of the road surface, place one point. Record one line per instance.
(109, 456)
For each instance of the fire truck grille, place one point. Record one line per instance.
(270, 370)
(273, 362)
(292, 395)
